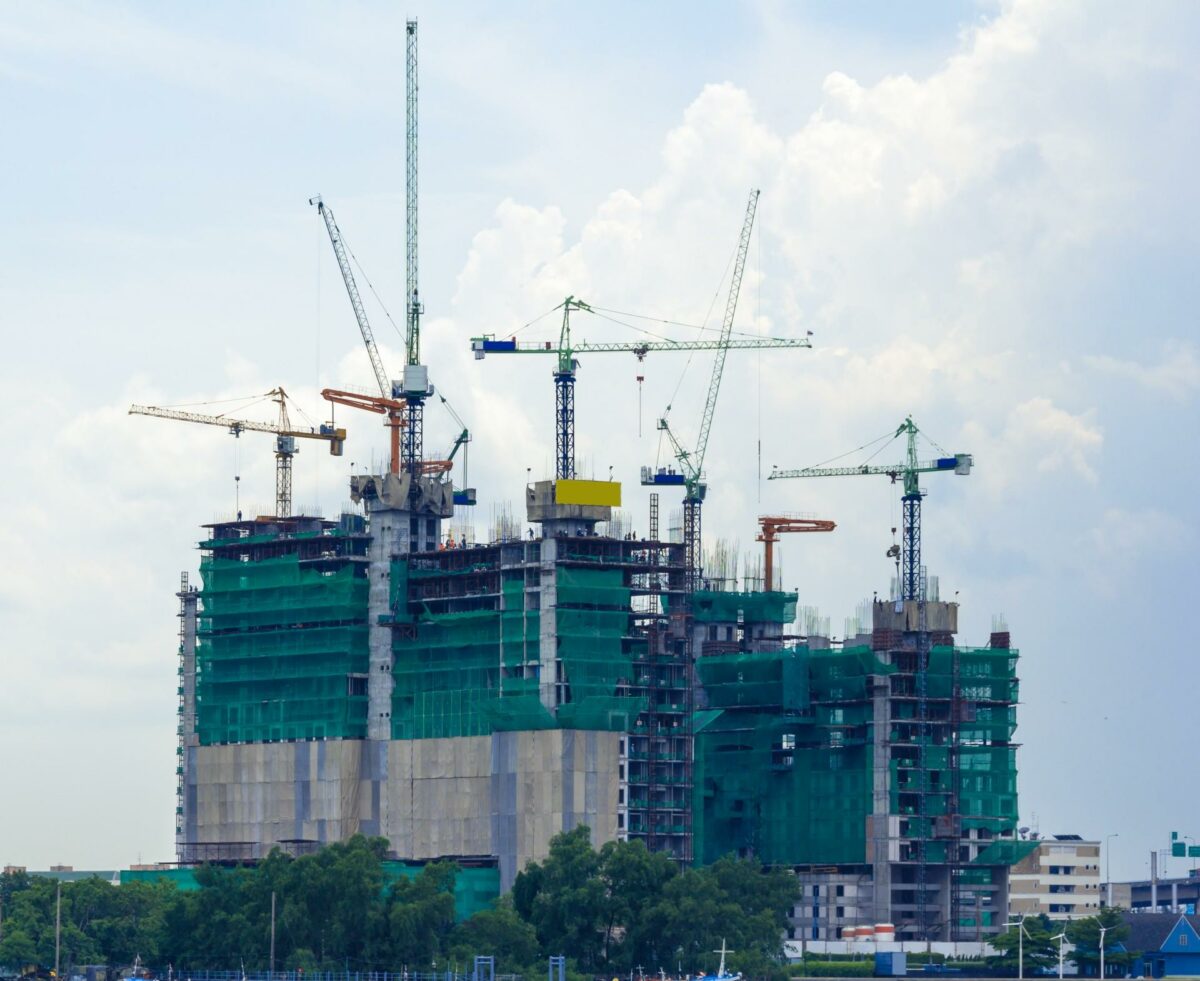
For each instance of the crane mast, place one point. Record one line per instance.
(564, 395)
(416, 377)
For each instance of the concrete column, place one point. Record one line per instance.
(1154, 882)
(389, 538)
(548, 627)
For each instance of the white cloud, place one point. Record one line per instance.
(1038, 437)
(1177, 375)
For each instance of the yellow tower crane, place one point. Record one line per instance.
(285, 439)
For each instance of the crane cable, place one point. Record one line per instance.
(692, 354)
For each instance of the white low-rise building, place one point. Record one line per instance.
(1061, 879)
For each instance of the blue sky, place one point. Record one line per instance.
(984, 212)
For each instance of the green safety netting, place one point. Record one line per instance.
(475, 889)
(760, 787)
(749, 680)
(445, 672)
(473, 673)
(1007, 851)
(783, 767)
(710, 606)
(784, 770)
(277, 645)
(592, 620)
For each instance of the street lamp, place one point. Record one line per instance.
(1062, 939)
(1103, 931)
(1108, 866)
(1020, 945)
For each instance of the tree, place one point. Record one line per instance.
(419, 915)
(499, 931)
(1040, 950)
(1085, 935)
(633, 878)
(568, 905)
(17, 949)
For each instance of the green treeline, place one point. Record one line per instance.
(607, 910)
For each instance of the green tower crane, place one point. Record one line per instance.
(908, 473)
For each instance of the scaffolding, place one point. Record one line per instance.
(788, 745)
(784, 756)
(281, 648)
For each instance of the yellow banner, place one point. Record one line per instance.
(602, 493)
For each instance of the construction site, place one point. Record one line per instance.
(369, 673)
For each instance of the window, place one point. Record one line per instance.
(841, 891)
(1182, 939)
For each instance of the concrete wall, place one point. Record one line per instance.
(506, 794)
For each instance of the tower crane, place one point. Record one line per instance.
(285, 439)
(466, 496)
(567, 366)
(387, 403)
(691, 462)
(415, 383)
(907, 472)
(402, 402)
(771, 526)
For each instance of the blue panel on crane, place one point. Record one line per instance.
(947, 462)
(661, 479)
(489, 345)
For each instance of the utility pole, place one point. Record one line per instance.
(57, 927)
(1103, 931)
(1108, 865)
(271, 973)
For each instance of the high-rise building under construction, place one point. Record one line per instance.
(471, 702)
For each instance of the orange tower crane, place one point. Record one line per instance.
(771, 526)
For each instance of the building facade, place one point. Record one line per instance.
(472, 702)
(882, 769)
(1059, 879)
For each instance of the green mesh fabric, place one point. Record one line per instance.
(276, 642)
(593, 623)
(1006, 852)
(446, 672)
(469, 674)
(475, 889)
(783, 766)
(710, 606)
(755, 680)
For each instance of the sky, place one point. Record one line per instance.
(985, 213)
